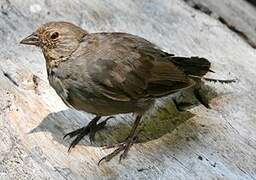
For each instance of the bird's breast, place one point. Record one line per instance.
(58, 86)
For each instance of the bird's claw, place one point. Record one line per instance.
(124, 146)
(74, 133)
(90, 130)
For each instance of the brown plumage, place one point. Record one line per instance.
(110, 73)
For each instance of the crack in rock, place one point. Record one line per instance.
(203, 8)
(8, 76)
(253, 2)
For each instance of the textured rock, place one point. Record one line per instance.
(239, 16)
(198, 143)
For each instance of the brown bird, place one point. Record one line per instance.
(110, 73)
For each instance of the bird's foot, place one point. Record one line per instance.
(90, 130)
(124, 146)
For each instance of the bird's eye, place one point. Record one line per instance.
(54, 35)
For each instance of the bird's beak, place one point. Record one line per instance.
(31, 40)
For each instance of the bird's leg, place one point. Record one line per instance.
(126, 145)
(90, 130)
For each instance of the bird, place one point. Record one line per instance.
(110, 73)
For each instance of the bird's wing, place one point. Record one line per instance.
(125, 67)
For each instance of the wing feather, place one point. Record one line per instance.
(133, 68)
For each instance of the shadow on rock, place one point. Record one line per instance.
(163, 120)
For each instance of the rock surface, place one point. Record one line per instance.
(239, 16)
(198, 143)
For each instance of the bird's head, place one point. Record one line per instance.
(56, 39)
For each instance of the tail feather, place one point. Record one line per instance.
(193, 65)
(196, 68)
(223, 81)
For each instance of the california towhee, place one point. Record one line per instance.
(110, 73)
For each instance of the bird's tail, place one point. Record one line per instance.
(194, 66)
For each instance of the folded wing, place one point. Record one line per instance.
(130, 67)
